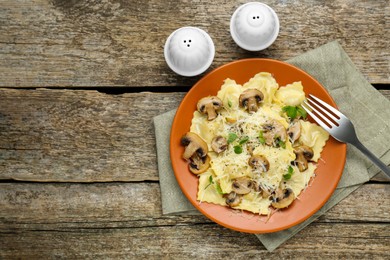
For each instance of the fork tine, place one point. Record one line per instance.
(323, 110)
(324, 118)
(334, 110)
(315, 117)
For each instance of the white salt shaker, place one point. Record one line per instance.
(189, 51)
(254, 26)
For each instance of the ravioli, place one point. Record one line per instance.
(246, 137)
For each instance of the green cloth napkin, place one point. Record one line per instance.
(355, 97)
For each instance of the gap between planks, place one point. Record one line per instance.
(110, 90)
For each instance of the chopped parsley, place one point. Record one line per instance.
(290, 111)
(230, 104)
(301, 111)
(261, 138)
(237, 149)
(232, 137)
(217, 186)
(243, 140)
(294, 112)
(289, 173)
(210, 182)
(280, 143)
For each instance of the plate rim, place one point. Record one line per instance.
(196, 203)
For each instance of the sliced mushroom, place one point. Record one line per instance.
(210, 106)
(219, 144)
(257, 187)
(250, 99)
(273, 130)
(282, 198)
(232, 199)
(242, 185)
(259, 163)
(303, 154)
(194, 144)
(301, 162)
(294, 131)
(305, 150)
(265, 193)
(199, 165)
(195, 152)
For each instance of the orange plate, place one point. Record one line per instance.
(311, 200)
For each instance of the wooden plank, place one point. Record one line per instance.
(382, 177)
(322, 240)
(124, 219)
(81, 136)
(136, 205)
(61, 43)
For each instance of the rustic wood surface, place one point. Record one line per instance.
(109, 226)
(80, 84)
(91, 136)
(120, 43)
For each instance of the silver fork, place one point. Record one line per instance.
(343, 130)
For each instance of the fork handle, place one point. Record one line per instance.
(372, 157)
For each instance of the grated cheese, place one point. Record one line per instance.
(229, 165)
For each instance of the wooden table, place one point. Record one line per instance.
(80, 83)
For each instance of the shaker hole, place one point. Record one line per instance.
(188, 45)
(185, 41)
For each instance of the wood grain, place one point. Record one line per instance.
(319, 240)
(81, 136)
(78, 168)
(62, 206)
(124, 220)
(60, 43)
